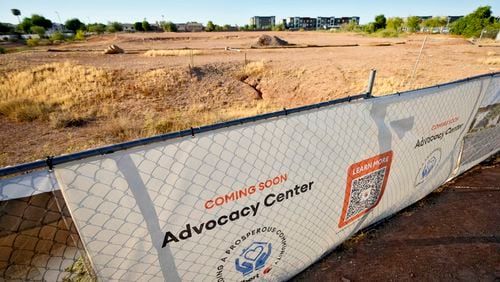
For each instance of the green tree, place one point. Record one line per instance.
(394, 23)
(114, 27)
(6, 28)
(74, 25)
(169, 27)
(380, 22)
(34, 20)
(25, 25)
(97, 28)
(413, 23)
(41, 21)
(434, 22)
(38, 30)
(210, 26)
(473, 24)
(146, 26)
(138, 26)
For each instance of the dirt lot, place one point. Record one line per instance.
(60, 102)
(451, 235)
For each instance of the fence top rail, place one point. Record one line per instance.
(50, 161)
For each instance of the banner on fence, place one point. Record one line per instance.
(261, 200)
(264, 200)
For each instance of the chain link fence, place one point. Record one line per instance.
(259, 200)
(38, 239)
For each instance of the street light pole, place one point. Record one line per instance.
(59, 17)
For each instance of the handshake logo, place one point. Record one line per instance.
(253, 258)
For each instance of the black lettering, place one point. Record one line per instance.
(245, 211)
(297, 187)
(186, 233)
(169, 237)
(234, 216)
(198, 230)
(211, 224)
(270, 198)
(280, 197)
(304, 188)
(222, 220)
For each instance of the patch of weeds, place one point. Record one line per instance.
(25, 110)
(78, 272)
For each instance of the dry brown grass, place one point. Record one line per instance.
(254, 68)
(158, 82)
(23, 109)
(251, 69)
(34, 93)
(389, 85)
(197, 115)
(166, 53)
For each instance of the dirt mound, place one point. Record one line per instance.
(113, 49)
(270, 41)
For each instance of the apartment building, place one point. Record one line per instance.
(309, 23)
(263, 22)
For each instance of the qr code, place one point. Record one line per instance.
(365, 192)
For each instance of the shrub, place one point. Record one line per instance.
(169, 27)
(38, 30)
(57, 36)
(32, 42)
(80, 35)
(97, 28)
(386, 32)
(2, 50)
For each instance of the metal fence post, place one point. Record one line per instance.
(371, 81)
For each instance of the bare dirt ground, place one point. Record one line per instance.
(451, 235)
(116, 98)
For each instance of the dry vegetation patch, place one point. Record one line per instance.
(166, 53)
(34, 93)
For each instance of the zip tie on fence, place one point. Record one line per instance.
(49, 162)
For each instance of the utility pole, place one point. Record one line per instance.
(59, 18)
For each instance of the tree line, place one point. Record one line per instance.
(470, 25)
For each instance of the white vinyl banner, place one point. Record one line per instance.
(264, 200)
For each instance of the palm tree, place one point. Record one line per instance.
(17, 13)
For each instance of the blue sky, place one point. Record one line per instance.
(233, 12)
